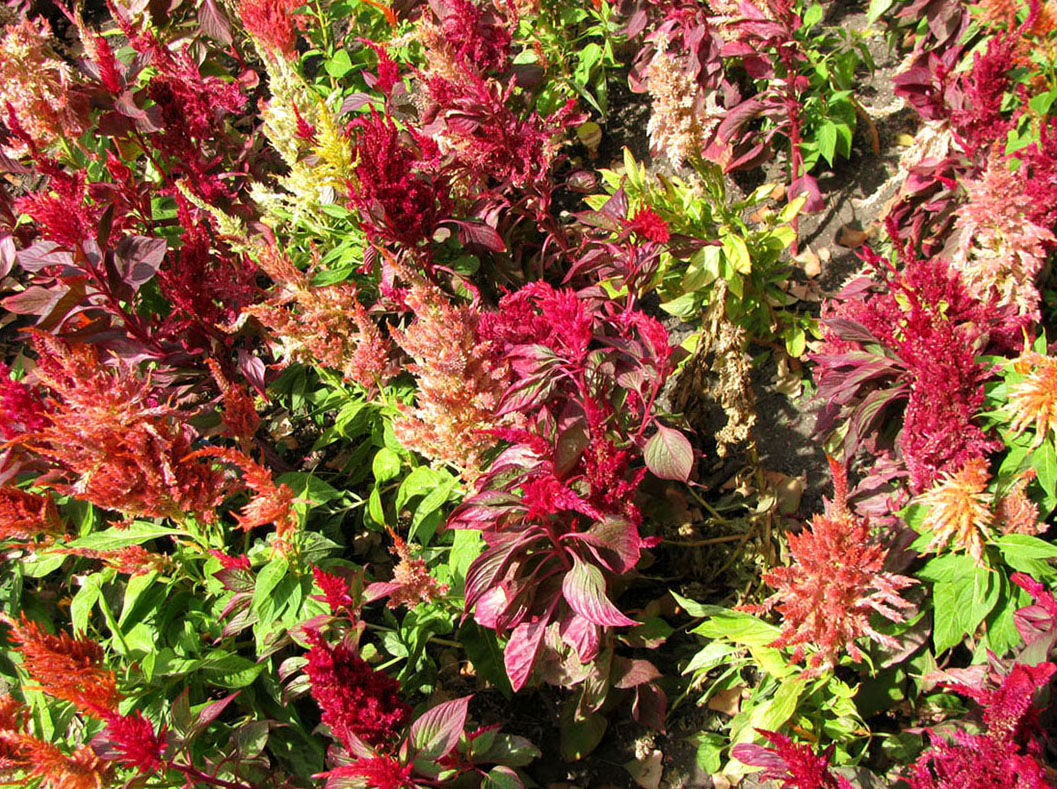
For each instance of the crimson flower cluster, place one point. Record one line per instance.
(795, 765)
(358, 703)
(1007, 753)
(398, 196)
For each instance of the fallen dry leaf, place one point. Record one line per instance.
(727, 702)
(810, 261)
(850, 237)
(647, 772)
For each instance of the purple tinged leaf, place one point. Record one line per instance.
(43, 254)
(138, 258)
(210, 712)
(436, 733)
(8, 254)
(629, 673)
(668, 454)
(584, 589)
(480, 233)
(214, 23)
(807, 185)
(521, 650)
(849, 330)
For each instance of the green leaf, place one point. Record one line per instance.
(877, 9)
(668, 454)
(309, 486)
(827, 139)
(227, 670)
(1027, 554)
(1044, 461)
(386, 465)
(961, 605)
(580, 735)
(709, 756)
(112, 539)
(83, 602)
(418, 483)
(483, 650)
(502, 777)
(795, 341)
(697, 609)
(737, 254)
(267, 579)
(741, 628)
(466, 546)
(339, 65)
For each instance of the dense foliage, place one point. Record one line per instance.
(352, 385)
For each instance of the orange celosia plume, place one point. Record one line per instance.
(67, 668)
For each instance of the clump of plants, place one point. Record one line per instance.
(340, 397)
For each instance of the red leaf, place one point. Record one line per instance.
(437, 732)
(43, 254)
(137, 259)
(584, 590)
(521, 650)
(214, 23)
(669, 455)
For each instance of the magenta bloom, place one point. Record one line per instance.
(133, 737)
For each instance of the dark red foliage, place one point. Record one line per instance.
(205, 281)
(21, 408)
(488, 138)
(980, 121)
(62, 212)
(1038, 173)
(477, 36)
(356, 700)
(373, 772)
(272, 23)
(556, 507)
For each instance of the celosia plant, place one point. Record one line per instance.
(1006, 749)
(556, 507)
(796, 766)
(835, 584)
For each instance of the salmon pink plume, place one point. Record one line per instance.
(412, 583)
(65, 667)
(37, 88)
(460, 383)
(833, 586)
(357, 701)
